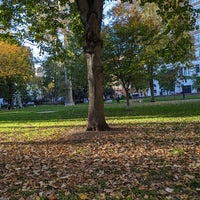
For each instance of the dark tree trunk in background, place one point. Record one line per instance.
(91, 17)
(10, 94)
(151, 85)
(127, 99)
(183, 91)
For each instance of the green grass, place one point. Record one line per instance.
(32, 122)
(173, 97)
(77, 115)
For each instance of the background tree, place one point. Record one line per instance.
(167, 77)
(54, 76)
(196, 82)
(16, 67)
(123, 45)
(76, 66)
(134, 43)
(167, 44)
(178, 19)
(51, 79)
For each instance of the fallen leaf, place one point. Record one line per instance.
(82, 196)
(169, 190)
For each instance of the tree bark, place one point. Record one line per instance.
(10, 95)
(91, 17)
(183, 92)
(68, 93)
(127, 99)
(151, 85)
(152, 90)
(96, 117)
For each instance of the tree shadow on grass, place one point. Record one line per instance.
(161, 133)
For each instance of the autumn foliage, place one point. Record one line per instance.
(15, 61)
(15, 68)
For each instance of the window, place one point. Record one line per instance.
(184, 71)
(197, 21)
(197, 39)
(187, 88)
(197, 67)
(197, 52)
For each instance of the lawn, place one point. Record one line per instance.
(151, 152)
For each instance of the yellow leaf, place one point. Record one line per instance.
(198, 150)
(82, 196)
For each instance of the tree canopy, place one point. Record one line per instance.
(15, 61)
(124, 42)
(137, 40)
(16, 68)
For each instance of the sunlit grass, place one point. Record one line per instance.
(34, 123)
(146, 119)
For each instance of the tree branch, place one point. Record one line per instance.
(91, 17)
(83, 6)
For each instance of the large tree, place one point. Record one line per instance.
(171, 42)
(123, 42)
(43, 17)
(137, 36)
(91, 17)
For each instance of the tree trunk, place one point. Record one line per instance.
(183, 92)
(152, 90)
(127, 99)
(68, 86)
(91, 17)
(96, 118)
(69, 96)
(19, 99)
(10, 95)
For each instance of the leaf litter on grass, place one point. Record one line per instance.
(151, 161)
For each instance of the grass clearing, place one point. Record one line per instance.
(152, 152)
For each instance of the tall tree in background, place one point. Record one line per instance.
(16, 67)
(124, 41)
(167, 77)
(138, 37)
(168, 45)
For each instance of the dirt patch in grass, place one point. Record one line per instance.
(141, 161)
(48, 111)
